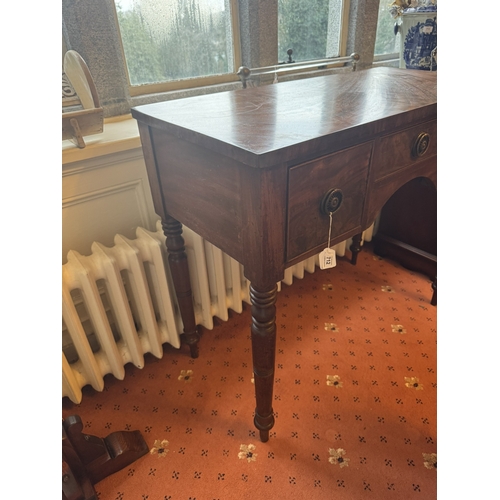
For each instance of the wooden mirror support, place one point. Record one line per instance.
(86, 121)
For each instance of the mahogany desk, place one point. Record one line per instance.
(256, 172)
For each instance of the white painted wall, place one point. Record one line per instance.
(105, 188)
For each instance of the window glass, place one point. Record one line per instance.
(386, 42)
(170, 40)
(312, 28)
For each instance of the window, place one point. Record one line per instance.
(171, 44)
(313, 29)
(90, 27)
(386, 42)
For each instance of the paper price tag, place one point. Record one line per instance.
(327, 258)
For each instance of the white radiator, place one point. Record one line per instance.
(119, 303)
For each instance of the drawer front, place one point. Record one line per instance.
(396, 151)
(344, 176)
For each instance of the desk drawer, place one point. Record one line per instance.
(396, 151)
(307, 225)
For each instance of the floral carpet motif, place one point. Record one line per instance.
(354, 398)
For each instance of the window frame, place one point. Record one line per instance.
(188, 83)
(343, 42)
(344, 27)
(203, 81)
(384, 57)
(344, 32)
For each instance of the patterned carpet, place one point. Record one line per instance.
(355, 399)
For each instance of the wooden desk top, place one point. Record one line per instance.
(264, 126)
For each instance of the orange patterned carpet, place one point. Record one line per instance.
(355, 399)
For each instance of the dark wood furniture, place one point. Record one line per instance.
(256, 172)
(87, 459)
(407, 232)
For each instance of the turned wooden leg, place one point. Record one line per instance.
(177, 259)
(355, 247)
(263, 353)
(435, 292)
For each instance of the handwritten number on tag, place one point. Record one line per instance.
(327, 256)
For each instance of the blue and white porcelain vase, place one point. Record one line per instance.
(418, 30)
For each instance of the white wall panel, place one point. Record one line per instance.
(103, 196)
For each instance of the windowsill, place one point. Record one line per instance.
(120, 133)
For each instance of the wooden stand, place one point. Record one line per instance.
(76, 124)
(90, 119)
(86, 459)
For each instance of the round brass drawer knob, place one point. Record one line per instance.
(421, 144)
(331, 201)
